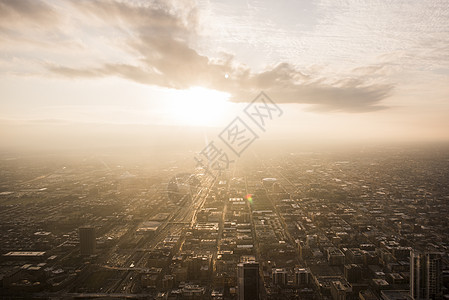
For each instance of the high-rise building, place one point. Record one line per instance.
(87, 240)
(248, 280)
(340, 290)
(353, 273)
(302, 277)
(279, 277)
(425, 275)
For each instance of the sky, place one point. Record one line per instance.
(339, 69)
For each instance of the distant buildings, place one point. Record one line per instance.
(356, 249)
(87, 240)
(425, 275)
(248, 280)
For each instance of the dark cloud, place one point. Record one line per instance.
(26, 12)
(159, 36)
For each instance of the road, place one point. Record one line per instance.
(177, 221)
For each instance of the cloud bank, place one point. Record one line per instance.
(159, 36)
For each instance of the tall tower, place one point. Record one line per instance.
(279, 277)
(87, 240)
(248, 280)
(425, 275)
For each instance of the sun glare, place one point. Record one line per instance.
(198, 106)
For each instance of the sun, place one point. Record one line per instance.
(198, 106)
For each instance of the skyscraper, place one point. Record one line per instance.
(248, 280)
(87, 240)
(302, 277)
(279, 277)
(425, 275)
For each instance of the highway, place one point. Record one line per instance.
(176, 222)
